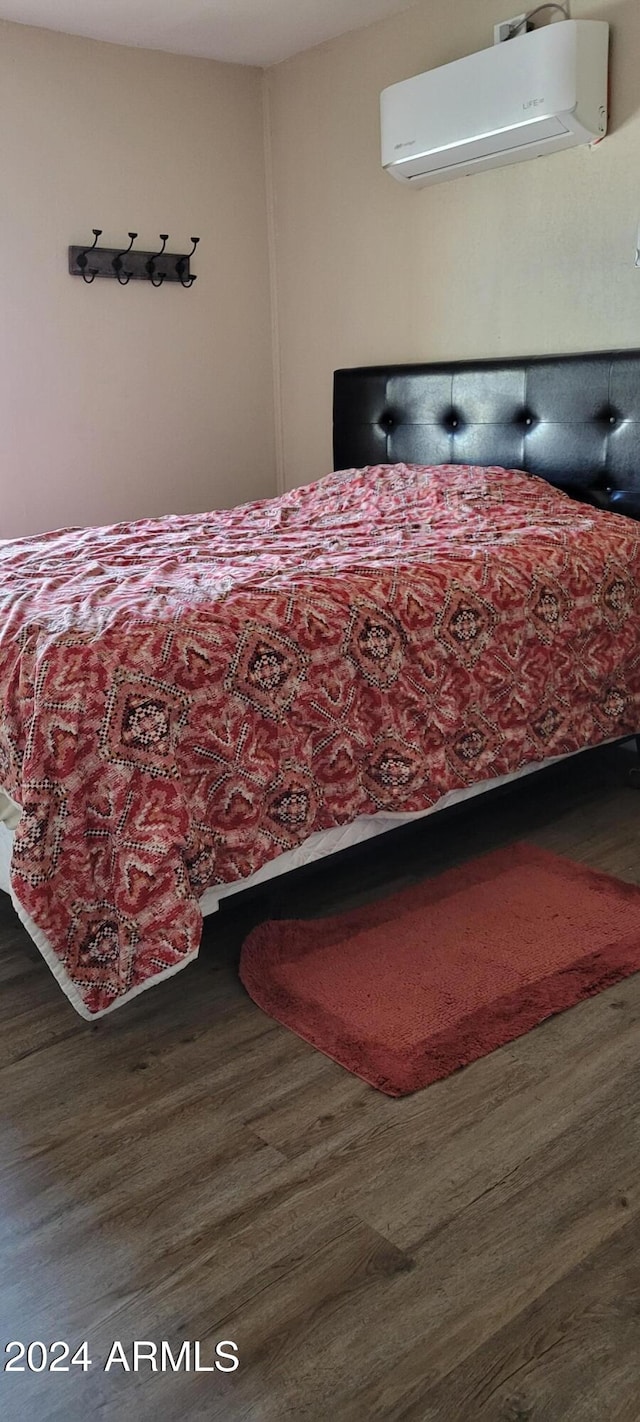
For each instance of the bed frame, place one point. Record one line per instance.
(573, 419)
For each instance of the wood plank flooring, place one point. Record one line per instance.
(188, 1170)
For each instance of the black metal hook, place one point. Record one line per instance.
(181, 266)
(157, 278)
(83, 257)
(123, 277)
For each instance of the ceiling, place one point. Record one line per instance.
(242, 31)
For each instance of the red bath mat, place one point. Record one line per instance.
(406, 990)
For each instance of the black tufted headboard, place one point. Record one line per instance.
(573, 419)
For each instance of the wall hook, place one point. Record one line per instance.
(83, 258)
(123, 277)
(157, 278)
(181, 266)
(131, 263)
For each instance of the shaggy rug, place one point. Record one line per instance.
(408, 989)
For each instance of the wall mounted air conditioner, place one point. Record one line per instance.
(531, 95)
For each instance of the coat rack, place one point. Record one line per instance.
(126, 264)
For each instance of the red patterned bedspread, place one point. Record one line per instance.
(183, 699)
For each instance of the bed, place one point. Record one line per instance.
(191, 705)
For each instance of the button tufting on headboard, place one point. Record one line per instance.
(574, 420)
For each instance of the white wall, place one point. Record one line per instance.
(533, 258)
(118, 403)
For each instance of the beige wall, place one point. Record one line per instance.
(532, 258)
(118, 403)
(125, 403)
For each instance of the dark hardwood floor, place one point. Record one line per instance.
(188, 1170)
